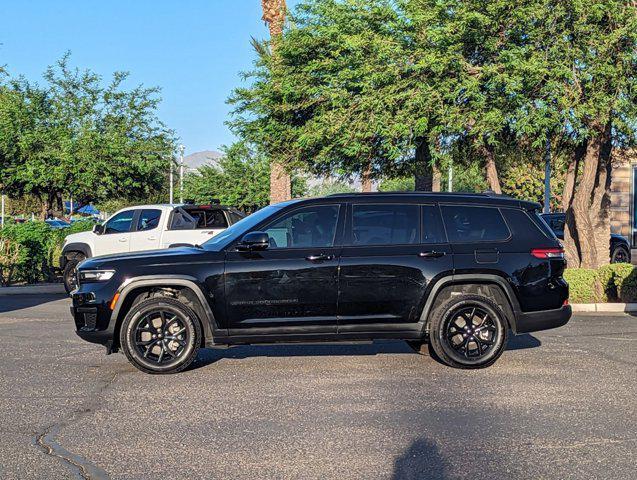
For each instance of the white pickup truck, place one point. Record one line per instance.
(145, 227)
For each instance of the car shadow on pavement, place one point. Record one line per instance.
(422, 460)
(379, 347)
(10, 303)
(520, 342)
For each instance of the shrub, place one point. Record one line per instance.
(29, 252)
(584, 285)
(9, 255)
(37, 241)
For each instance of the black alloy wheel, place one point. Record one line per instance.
(469, 331)
(161, 335)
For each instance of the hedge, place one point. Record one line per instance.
(616, 282)
(29, 252)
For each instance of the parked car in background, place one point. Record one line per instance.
(619, 246)
(457, 271)
(146, 227)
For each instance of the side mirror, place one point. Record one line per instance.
(98, 229)
(254, 241)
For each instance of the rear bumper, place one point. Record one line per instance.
(543, 320)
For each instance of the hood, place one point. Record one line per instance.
(81, 237)
(152, 257)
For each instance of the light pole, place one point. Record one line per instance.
(181, 173)
(450, 178)
(170, 181)
(547, 177)
(2, 213)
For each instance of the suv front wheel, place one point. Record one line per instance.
(468, 331)
(160, 335)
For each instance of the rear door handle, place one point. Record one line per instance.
(432, 254)
(319, 258)
(123, 239)
(152, 238)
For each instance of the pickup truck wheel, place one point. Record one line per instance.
(70, 275)
(468, 331)
(160, 335)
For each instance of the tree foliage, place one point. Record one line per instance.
(240, 178)
(76, 136)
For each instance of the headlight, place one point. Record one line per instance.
(87, 276)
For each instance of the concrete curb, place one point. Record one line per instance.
(45, 288)
(604, 307)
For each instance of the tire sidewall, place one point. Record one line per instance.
(69, 268)
(138, 312)
(445, 314)
(620, 248)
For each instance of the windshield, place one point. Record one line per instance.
(231, 233)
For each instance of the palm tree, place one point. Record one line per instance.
(274, 17)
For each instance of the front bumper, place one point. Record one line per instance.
(92, 316)
(543, 320)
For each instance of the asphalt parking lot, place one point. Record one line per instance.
(558, 404)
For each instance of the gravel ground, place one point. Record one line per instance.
(558, 404)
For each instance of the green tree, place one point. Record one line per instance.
(332, 98)
(241, 178)
(75, 136)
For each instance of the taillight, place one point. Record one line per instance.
(548, 252)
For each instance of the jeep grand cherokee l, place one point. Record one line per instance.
(456, 270)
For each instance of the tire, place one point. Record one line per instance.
(620, 254)
(453, 330)
(150, 340)
(69, 274)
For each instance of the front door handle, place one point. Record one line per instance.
(152, 238)
(319, 258)
(123, 239)
(432, 254)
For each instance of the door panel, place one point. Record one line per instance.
(147, 235)
(116, 236)
(292, 286)
(383, 286)
(281, 291)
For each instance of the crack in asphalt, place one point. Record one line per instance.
(46, 439)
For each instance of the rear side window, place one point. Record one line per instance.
(148, 220)
(385, 224)
(208, 218)
(432, 230)
(467, 224)
(550, 226)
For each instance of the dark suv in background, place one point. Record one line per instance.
(456, 270)
(619, 246)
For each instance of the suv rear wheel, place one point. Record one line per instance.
(160, 335)
(468, 331)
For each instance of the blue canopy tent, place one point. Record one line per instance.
(83, 210)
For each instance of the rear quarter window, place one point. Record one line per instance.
(467, 224)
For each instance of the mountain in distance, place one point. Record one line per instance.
(195, 160)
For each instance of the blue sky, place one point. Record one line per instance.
(192, 49)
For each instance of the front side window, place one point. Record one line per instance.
(120, 223)
(467, 224)
(148, 220)
(385, 224)
(311, 227)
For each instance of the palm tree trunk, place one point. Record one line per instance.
(280, 181)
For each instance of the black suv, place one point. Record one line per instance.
(455, 270)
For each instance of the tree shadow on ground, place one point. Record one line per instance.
(421, 461)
